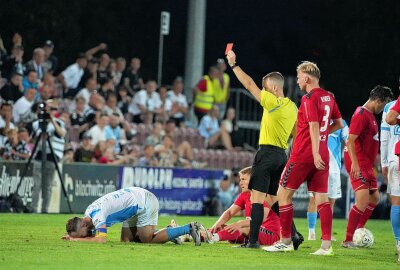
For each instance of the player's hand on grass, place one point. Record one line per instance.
(318, 162)
(231, 57)
(355, 171)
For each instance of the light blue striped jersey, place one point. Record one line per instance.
(335, 140)
(390, 135)
(117, 206)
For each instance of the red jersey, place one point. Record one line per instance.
(363, 124)
(272, 223)
(396, 106)
(316, 106)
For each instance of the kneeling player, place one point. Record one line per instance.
(137, 208)
(238, 232)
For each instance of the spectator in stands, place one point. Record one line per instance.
(6, 123)
(14, 149)
(90, 88)
(94, 110)
(98, 131)
(156, 135)
(30, 80)
(148, 159)
(179, 103)
(111, 106)
(45, 93)
(49, 81)
(210, 130)
(72, 75)
(90, 72)
(106, 87)
(229, 124)
(164, 153)
(85, 152)
(37, 63)
(56, 131)
(166, 105)
(13, 63)
(204, 93)
(98, 150)
(146, 104)
(124, 99)
(103, 72)
(120, 65)
(221, 88)
(132, 78)
(108, 157)
(12, 90)
(77, 117)
(68, 155)
(51, 61)
(23, 105)
(113, 130)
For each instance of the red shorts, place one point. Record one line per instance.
(266, 237)
(366, 180)
(295, 173)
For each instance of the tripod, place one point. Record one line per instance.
(44, 137)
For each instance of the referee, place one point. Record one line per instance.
(277, 124)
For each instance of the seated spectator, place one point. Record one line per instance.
(111, 106)
(165, 153)
(5, 121)
(132, 77)
(51, 61)
(214, 135)
(30, 81)
(124, 99)
(114, 131)
(106, 87)
(23, 105)
(12, 90)
(49, 81)
(77, 117)
(156, 135)
(166, 105)
(45, 93)
(229, 124)
(148, 159)
(90, 88)
(13, 63)
(98, 131)
(98, 150)
(14, 149)
(94, 110)
(146, 104)
(108, 157)
(90, 72)
(120, 65)
(103, 71)
(36, 63)
(85, 152)
(72, 75)
(68, 155)
(179, 103)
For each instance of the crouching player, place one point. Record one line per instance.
(137, 208)
(238, 232)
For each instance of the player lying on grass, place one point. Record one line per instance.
(137, 208)
(238, 232)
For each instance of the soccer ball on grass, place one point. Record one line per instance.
(363, 238)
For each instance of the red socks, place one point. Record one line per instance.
(354, 218)
(366, 215)
(224, 235)
(286, 216)
(325, 216)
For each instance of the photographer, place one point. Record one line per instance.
(55, 129)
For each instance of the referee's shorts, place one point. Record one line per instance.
(268, 166)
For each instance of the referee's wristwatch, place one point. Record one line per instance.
(234, 65)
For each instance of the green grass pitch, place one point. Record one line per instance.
(29, 241)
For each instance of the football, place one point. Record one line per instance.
(363, 238)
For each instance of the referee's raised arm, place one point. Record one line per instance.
(244, 79)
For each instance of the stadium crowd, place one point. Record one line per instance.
(103, 110)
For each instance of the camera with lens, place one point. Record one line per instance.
(43, 114)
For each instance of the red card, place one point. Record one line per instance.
(229, 47)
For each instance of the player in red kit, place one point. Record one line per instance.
(238, 231)
(309, 160)
(361, 150)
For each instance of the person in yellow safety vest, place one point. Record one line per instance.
(204, 93)
(221, 88)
